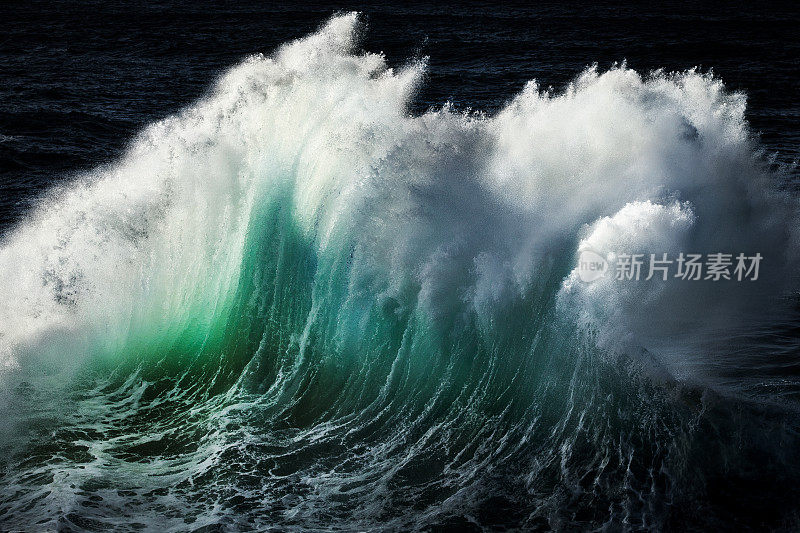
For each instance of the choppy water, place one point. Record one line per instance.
(318, 297)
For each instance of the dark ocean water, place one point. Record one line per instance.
(301, 305)
(80, 80)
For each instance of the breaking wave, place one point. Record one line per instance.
(296, 304)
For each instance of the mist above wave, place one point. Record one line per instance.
(445, 214)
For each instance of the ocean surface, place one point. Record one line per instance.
(317, 267)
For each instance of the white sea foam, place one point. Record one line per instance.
(451, 213)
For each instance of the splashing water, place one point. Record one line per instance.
(294, 304)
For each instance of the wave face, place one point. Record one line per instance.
(294, 304)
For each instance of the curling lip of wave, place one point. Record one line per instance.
(465, 212)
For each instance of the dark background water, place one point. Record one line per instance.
(78, 80)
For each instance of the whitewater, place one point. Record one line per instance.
(295, 304)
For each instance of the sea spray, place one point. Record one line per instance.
(296, 303)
